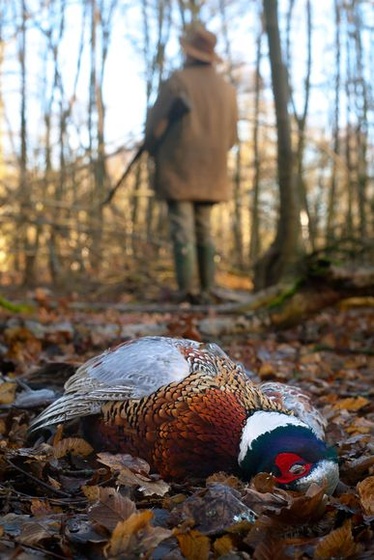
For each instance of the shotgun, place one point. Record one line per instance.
(178, 108)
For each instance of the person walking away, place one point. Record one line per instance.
(190, 153)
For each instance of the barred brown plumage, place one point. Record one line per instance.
(188, 409)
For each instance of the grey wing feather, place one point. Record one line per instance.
(65, 408)
(132, 370)
(141, 366)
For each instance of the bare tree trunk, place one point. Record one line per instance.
(2, 168)
(154, 60)
(97, 194)
(255, 243)
(347, 225)
(362, 104)
(101, 20)
(29, 232)
(307, 224)
(238, 188)
(54, 183)
(331, 205)
(280, 261)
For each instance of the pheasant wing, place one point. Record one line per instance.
(132, 370)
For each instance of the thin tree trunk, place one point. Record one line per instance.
(2, 167)
(308, 229)
(361, 92)
(331, 204)
(255, 243)
(280, 261)
(29, 232)
(349, 148)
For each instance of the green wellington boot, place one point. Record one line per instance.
(205, 261)
(184, 261)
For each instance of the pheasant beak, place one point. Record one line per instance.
(325, 473)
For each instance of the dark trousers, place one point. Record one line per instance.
(190, 230)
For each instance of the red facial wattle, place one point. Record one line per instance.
(291, 467)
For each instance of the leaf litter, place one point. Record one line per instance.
(59, 499)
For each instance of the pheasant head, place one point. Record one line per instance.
(287, 448)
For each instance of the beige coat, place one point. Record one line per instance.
(191, 161)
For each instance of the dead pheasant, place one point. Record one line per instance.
(188, 409)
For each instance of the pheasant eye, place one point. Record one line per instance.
(298, 469)
(291, 467)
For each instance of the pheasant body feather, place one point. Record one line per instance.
(188, 409)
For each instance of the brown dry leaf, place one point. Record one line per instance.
(147, 486)
(306, 508)
(40, 507)
(73, 445)
(214, 510)
(223, 545)
(264, 482)
(226, 479)
(360, 425)
(351, 302)
(280, 510)
(23, 345)
(351, 403)
(135, 536)
(169, 502)
(270, 549)
(58, 435)
(268, 501)
(267, 369)
(3, 427)
(34, 531)
(357, 469)
(41, 454)
(54, 483)
(127, 477)
(337, 544)
(116, 462)
(366, 491)
(109, 507)
(92, 493)
(194, 545)
(7, 392)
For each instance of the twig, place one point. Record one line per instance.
(38, 481)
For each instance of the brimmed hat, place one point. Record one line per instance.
(199, 43)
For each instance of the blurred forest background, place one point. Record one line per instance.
(76, 78)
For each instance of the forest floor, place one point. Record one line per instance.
(65, 501)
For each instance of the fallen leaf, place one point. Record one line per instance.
(147, 485)
(337, 544)
(40, 508)
(81, 530)
(7, 392)
(270, 549)
(214, 510)
(366, 492)
(351, 403)
(35, 531)
(134, 537)
(117, 461)
(264, 482)
(194, 545)
(73, 445)
(109, 507)
(348, 303)
(223, 545)
(266, 370)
